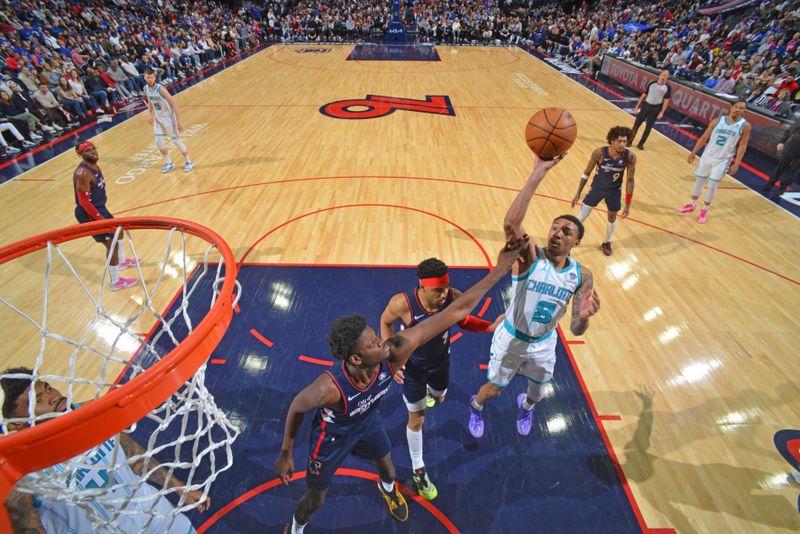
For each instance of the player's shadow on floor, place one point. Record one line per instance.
(239, 162)
(640, 465)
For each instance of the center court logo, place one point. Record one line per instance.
(374, 106)
(152, 156)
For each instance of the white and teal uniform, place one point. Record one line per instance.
(109, 470)
(525, 344)
(164, 123)
(721, 149)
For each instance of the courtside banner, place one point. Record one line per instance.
(765, 131)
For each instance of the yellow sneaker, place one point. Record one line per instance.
(430, 402)
(396, 503)
(423, 484)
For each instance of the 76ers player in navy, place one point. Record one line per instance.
(90, 205)
(611, 161)
(345, 399)
(427, 372)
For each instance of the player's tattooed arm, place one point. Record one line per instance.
(585, 303)
(23, 515)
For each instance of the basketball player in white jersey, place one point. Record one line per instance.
(727, 139)
(165, 118)
(29, 513)
(541, 285)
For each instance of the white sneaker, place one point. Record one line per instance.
(46, 128)
(27, 144)
(36, 137)
(12, 149)
(168, 167)
(188, 167)
(122, 283)
(58, 128)
(99, 110)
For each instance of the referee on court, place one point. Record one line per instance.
(651, 106)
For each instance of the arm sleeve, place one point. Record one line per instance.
(474, 324)
(85, 200)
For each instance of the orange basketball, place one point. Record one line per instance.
(551, 132)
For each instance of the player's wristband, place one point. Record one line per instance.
(585, 177)
(628, 198)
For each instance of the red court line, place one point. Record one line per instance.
(483, 366)
(451, 181)
(261, 338)
(217, 361)
(309, 359)
(661, 531)
(576, 342)
(355, 473)
(485, 306)
(602, 86)
(49, 144)
(617, 467)
(456, 337)
(394, 206)
(743, 164)
(610, 417)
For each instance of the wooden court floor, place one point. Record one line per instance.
(695, 346)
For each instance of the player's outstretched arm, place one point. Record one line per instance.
(512, 223)
(585, 303)
(321, 392)
(596, 155)
(405, 342)
(703, 140)
(22, 513)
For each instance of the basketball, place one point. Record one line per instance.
(551, 132)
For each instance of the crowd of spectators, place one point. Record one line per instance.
(750, 53)
(67, 62)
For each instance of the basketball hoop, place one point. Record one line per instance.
(160, 386)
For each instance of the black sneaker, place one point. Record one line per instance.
(396, 503)
(606, 249)
(766, 187)
(640, 146)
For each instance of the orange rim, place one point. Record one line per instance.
(67, 436)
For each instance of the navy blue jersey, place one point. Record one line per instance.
(97, 193)
(437, 349)
(610, 170)
(359, 404)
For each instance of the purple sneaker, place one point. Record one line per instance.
(524, 417)
(475, 424)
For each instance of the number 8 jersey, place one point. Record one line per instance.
(539, 298)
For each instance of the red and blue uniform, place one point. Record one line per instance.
(429, 365)
(607, 183)
(357, 430)
(93, 208)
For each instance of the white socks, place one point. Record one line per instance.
(121, 250)
(475, 405)
(113, 270)
(609, 231)
(415, 448)
(585, 211)
(297, 528)
(388, 487)
(526, 406)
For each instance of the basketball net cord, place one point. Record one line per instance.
(186, 441)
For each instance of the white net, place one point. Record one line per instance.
(78, 341)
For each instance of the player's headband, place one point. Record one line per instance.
(439, 281)
(83, 146)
